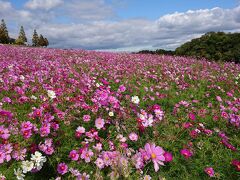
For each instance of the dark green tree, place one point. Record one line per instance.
(22, 34)
(217, 46)
(4, 37)
(46, 42)
(41, 41)
(35, 38)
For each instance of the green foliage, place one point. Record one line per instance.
(19, 41)
(158, 51)
(217, 46)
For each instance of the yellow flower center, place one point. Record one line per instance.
(153, 155)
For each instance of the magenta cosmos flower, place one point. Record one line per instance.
(156, 154)
(192, 116)
(168, 156)
(186, 153)
(62, 168)
(99, 123)
(236, 163)
(209, 171)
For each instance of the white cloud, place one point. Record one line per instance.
(86, 10)
(91, 27)
(43, 4)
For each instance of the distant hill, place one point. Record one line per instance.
(218, 46)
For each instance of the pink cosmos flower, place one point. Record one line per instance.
(19, 155)
(168, 156)
(186, 153)
(98, 147)
(45, 130)
(99, 163)
(99, 123)
(26, 134)
(86, 155)
(122, 88)
(84, 176)
(138, 160)
(6, 100)
(49, 150)
(192, 116)
(7, 150)
(2, 157)
(79, 131)
(187, 125)
(62, 168)
(26, 125)
(86, 118)
(156, 154)
(4, 132)
(209, 171)
(74, 155)
(133, 136)
(224, 115)
(236, 163)
(37, 113)
(219, 98)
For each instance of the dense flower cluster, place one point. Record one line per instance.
(74, 114)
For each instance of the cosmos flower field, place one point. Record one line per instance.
(74, 114)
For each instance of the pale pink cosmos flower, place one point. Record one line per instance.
(86, 155)
(2, 157)
(156, 154)
(133, 136)
(99, 123)
(80, 129)
(99, 163)
(98, 147)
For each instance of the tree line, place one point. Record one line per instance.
(37, 40)
(218, 46)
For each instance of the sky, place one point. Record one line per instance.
(120, 25)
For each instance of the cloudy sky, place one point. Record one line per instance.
(120, 25)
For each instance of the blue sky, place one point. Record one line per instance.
(120, 24)
(153, 9)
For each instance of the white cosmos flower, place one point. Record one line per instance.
(27, 166)
(97, 84)
(111, 114)
(33, 97)
(135, 99)
(22, 78)
(51, 94)
(19, 174)
(38, 159)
